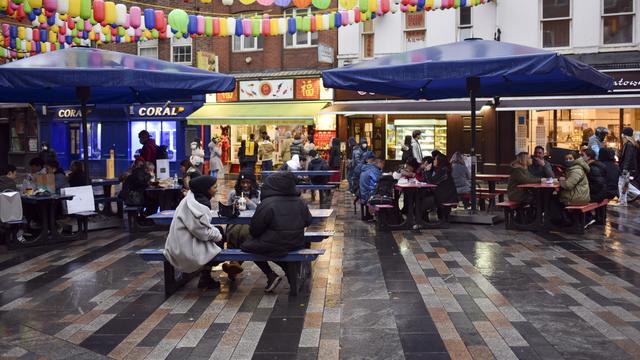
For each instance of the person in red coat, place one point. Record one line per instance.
(149, 148)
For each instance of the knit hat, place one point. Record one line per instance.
(627, 131)
(200, 188)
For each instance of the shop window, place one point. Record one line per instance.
(181, 51)
(415, 32)
(163, 132)
(148, 49)
(465, 26)
(244, 43)
(556, 23)
(617, 22)
(94, 136)
(434, 135)
(300, 39)
(367, 39)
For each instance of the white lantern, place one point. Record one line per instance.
(63, 7)
(352, 17)
(121, 14)
(231, 26)
(282, 25)
(227, 2)
(28, 34)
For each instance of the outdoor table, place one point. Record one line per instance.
(46, 206)
(166, 216)
(492, 179)
(543, 192)
(106, 190)
(410, 191)
(304, 172)
(166, 195)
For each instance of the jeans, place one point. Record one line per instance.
(625, 187)
(267, 165)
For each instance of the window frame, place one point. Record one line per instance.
(460, 26)
(633, 24)
(568, 18)
(364, 34)
(293, 11)
(406, 30)
(148, 44)
(259, 44)
(181, 43)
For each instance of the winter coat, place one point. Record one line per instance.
(297, 148)
(335, 156)
(407, 154)
(285, 151)
(462, 178)
(416, 150)
(597, 177)
(608, 159)
(368, 180)
(318, 164)
(149, 151)
(595, 144)
(544, 171)
(520, 176)
(629, 158)
(358, 152)
(7, 183)
(278, 224)
(266, 151)
(574, 190)
(191, 240)
(446, 191)
(215, 159)
(244, 156)
(77, 178)
(252, 203)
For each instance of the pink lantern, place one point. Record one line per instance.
(246, 27)
(266, 27)
(134, 16)
(385, 6)
(200, 24)
(50, 5)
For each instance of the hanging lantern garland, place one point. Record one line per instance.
(57, 24)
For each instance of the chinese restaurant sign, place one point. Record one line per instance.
(228, 96)
(308, 89)
(266, 90)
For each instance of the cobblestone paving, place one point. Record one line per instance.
(468, 292)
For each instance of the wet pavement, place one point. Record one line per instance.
(468, 292)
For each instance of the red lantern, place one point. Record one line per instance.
(98, 10)
(161, 22)
(314, 27)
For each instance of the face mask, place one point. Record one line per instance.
(364, 146)
(568, 163)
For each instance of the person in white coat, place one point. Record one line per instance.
(415, 145)
(191, 243)
(215, 158)
(197, 154)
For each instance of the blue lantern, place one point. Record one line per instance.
(291, 25)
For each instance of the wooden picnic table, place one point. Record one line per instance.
(410, 191)
(492, 179)
(166, 216)
(543, 193)
(46, 206)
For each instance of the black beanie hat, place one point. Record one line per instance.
(627, 131)
(201, 185)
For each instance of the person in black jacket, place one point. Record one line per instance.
(77, 177)
(134, 187)
(248, 154)
(446, 192)
(335, 157)
(608, 159)
(628, 167)
(277, 227)
(597, 176)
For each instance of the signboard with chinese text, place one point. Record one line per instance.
(280, 89)
(308, 89)
(228, 96)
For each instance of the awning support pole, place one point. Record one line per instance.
(83, 93)
(473, 85)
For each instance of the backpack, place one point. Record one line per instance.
(318, 165)
(383, 192)
(162, 152)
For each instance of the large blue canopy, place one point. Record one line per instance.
(441, 72)
(113, 77)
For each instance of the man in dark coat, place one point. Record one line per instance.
(8, 181)
(277, 227)
(608, 158)
(597, 176)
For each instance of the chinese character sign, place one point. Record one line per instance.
(308, 89)
(227, 96)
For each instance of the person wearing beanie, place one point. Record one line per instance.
(628, 163)
(191, 243)
(277, 227)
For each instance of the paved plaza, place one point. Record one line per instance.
(468, 292)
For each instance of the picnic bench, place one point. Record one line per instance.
(579, 212)
(299, 268)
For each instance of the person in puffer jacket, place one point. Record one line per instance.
(597, 176)
(608, 158)
(277, 227)
(369, 178)
(574, 187)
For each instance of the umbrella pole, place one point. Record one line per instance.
(83, 93)
(473, 85)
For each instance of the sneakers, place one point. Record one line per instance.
(232, 269)
(591, 222)
(273, 280)
(206, 282)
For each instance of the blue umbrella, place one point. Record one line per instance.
(87, 75)
(471, 68)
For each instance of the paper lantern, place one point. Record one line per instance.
(357, 15)
(109, 12)
(318, 23)
(239, 27)
(321, 4)
(265, 27)
(256, 25)
(247, 2)
(200, 24)
(283, 3)
(22, 33)
(302, 4)
(265, 2)
(348, 4)
(120, 14)
(149, 19)
(192, 27)
(179, 20)
(385, 6)
(135, 14)
(421, 4)
(35, 34)
(155, 33)
(246, 27)
(161, 21)
(227, 2)
(327, 22)
(208, 26)
(437, 4)
(363, 5)
(26, 7)
(306, 23)
(98, 10)
(50, 5)
(121, 31)
(131, 32)
(227, 26)
(352, 16)
(282, 26)
(291, 26)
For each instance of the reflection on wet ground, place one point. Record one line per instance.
(468, 292)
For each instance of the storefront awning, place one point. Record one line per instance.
(560, 103)
(269, 113)
(401, 107)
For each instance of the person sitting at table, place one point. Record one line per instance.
(461, 175)
(608, 159)
(371, 173)
(597, 176)
(296, 163)
(150, 168)
(134, 187)
(77, 176)
(37, 168)
(246, 187)
(368, 158)
(426, 169)
(277, 227)
(540, 167)
(574, 189)
(446, 191)
(191, 243)
(408, 171)
(8, 180)
(521, 175)
(53, 167)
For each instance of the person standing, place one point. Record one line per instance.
(225, 145)
(149, 150)
(352, 145)
(540, 167)
(215, 158)
(285, 151)
(248, 154)
(266, 153)
(297, 148)
(309, 145)
(415, 144)
(608, 158)
(197, 154)
(596, 141)
(407, 151)
(47, 154)
(628, 167)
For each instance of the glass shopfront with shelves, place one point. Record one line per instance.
(434, 135)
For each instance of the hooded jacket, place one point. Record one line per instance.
(149, 151)
(629, 156)
(334, 154)
(297, 148)
(191, 240)
(278, 224)
(358, 152)
(266, 151)
(574, 190)
(607, 158)
(368, 180)
(292, 165)
(318, 164)
(520, 176)
(597, 177)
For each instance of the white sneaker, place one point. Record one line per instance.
(593, 221)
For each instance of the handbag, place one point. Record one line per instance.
(10, 206)
(228, 211)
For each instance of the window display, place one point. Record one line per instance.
(163, 132)
(434, 135)
(94, 135)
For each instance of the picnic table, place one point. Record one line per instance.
(168, 197)
(492, 179)
(304, 172)
(46, 206)
(543, 193)
(166, 216)
(106, 191)
(410, 191)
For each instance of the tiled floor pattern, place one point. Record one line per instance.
(468, 292)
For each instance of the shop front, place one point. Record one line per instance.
(275, 107)
(114, 127)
